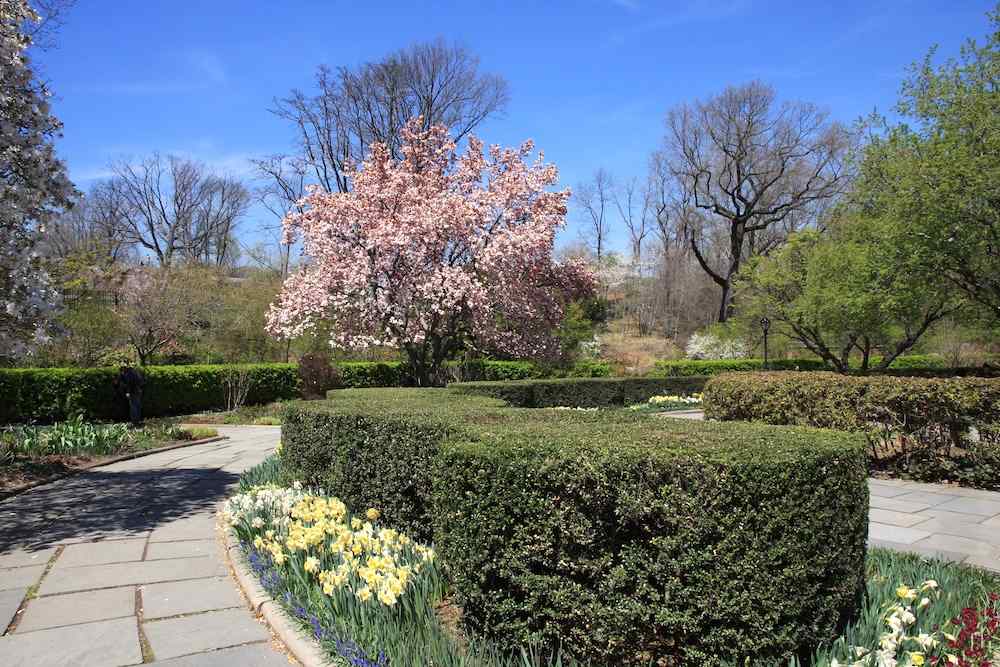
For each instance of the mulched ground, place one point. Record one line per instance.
(24, 470)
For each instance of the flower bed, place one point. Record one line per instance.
(668, 403)
(30, 454)
(368, 594)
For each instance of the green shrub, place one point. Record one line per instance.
(622, 538)
(475, 370)
(359, 374)
(55, 394)
(705, 367)
(581, 392)
(374, 447)
(917, 362)
(911, 364)
(901, 416)
(589, 368)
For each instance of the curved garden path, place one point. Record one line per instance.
(119, 565)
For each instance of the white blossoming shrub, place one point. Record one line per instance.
(706, 345)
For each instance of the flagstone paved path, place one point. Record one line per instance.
(120, 565)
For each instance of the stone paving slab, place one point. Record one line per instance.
(987, 508)
(926, 497)
(74, 608)
(102, 644)
(902, 519)
(885, 491)
(897, 505)
(198, 527)
(181, 549)
(976, 532)
(916, 549)
(20, 577)
(100, 553)
(110, 575)
(240, 656)
(175, 637)
(890, 533)
(956, 517)
(188, 597)
(21, 558)
(10, 601)
(964, 545)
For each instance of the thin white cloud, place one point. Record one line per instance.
(196, 70)
(694, 11)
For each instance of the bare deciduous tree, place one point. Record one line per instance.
(635, 208)
(748, 170)
(284, 186)
(176, 208)
(356, 107)
(594, 197)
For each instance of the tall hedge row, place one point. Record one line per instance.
(706, 367)
(894, 412)
(54, 394)
(581, 392)
(621, 538)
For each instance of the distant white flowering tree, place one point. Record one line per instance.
(33, 185)
(706, 345)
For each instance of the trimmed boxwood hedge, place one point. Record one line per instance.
(372, 374)
(54, 394)
(622, 538)
(581, 392)
(931, 412)
(916, 365)
(705, 367)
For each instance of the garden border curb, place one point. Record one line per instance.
(10, 493)
(304, 649)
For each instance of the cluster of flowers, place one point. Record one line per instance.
(977, 637)
(902, 645)
(271, 580)
(314, 533)
(669, 401)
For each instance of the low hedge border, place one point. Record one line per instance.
(706, 367)
(581, 392)
(897, 414)
(55, 394)
(913, 365)
(624, 539)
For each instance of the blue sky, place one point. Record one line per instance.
(590, 81)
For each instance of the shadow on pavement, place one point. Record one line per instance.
(103, 504)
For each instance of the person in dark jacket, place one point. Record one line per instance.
(130, 382)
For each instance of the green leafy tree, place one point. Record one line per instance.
(854, 290)
(938, 175)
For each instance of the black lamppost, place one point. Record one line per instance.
(765, 324)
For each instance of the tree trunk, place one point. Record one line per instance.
(725, 307)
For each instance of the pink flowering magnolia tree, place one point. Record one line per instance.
(433, 254)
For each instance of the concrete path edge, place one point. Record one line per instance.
(304, 649)
(10, 493)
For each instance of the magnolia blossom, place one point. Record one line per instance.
(33, 184)
(433, 253)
